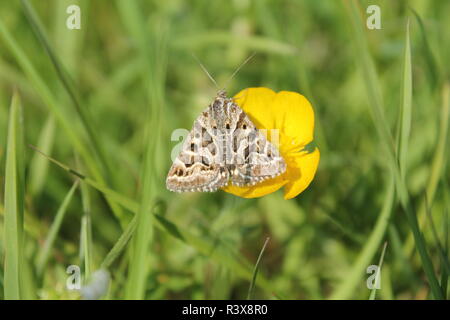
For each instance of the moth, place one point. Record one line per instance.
(223, 147)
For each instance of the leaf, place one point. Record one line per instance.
(378, 272)
(86, 231)
(406, 107)
(437, 164)
(346, 288)
(433, 68)
(44, 253)
(14, 202)
(39, 166)
(255, 271)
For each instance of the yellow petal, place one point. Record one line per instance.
(257, 104)
(301, 169)
(294, 117)
(259, 190)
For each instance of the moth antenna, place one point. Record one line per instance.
(206, 71)
(239, 68)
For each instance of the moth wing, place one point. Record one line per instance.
(196, 167)
(256, 158)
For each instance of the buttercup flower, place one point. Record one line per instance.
(292, 115)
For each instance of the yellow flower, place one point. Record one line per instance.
(292, 114)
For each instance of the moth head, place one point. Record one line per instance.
(223, 114)
(221, 94)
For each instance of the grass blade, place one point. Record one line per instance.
(371, 81)
(153, 53)
(345, 290)
(50, 100)
(86, 118)
(253, 43)
(440, 247)
(378, 274)
(445, 274)
(406, 107)
(437, 165)
(43, 90)
(44, 254)
(39, 166)
(433, 68)
(14, 203)
(120, 245)
(376, 104)
(255, 271)
(86, 227)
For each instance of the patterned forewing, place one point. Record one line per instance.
(196, 167)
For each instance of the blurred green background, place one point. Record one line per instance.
(105, 99)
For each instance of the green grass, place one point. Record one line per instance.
(43, 255)
(104, 100)
(378, 273)
(14, 204)
(255, 271)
